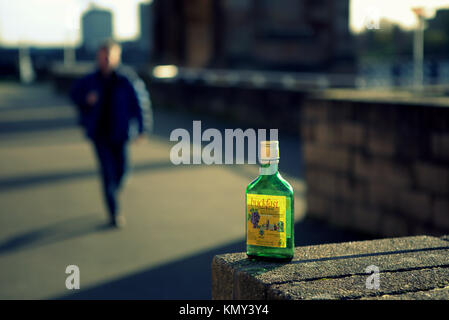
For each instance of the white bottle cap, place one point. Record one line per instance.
(269, 151)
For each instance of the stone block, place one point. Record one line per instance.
(430, 177)
(383, 195)
(321, 181)
(415, 204)
(351, 134)
(367, 220)
(393, 226)
(307, 131)
(325, 133)
(441, 213)
(342, 214)
(315, 111)
(351, 190)
(382, 170)
(381, 143)
(440, 146)
(342, 134)
(337, 159)
(318, 206)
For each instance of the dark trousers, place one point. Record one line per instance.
(113, 163)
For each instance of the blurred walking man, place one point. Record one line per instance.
(114, 108)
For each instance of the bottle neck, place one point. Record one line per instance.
(269, 169)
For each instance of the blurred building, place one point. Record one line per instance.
(96, 25)
(137, 52)
(436, 36)
(9, 63)
(440, 21)
(301, 35)
(146, 27)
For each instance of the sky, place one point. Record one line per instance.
(56, 22)
(399, 11)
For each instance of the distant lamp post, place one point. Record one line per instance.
(26, 71)
(418, 49)
(69, 55)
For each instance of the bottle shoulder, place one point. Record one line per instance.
(273, 184)
(286, 184)
(253, 183)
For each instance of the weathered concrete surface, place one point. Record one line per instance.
(410, 268)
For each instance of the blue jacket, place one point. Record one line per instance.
(129, 109)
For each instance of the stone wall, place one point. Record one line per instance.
(374, 162)
(381, 167)
(246, 105)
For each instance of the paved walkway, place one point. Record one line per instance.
(179, 217)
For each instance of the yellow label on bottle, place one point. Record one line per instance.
(266, 220)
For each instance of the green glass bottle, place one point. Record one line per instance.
(270, 210)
